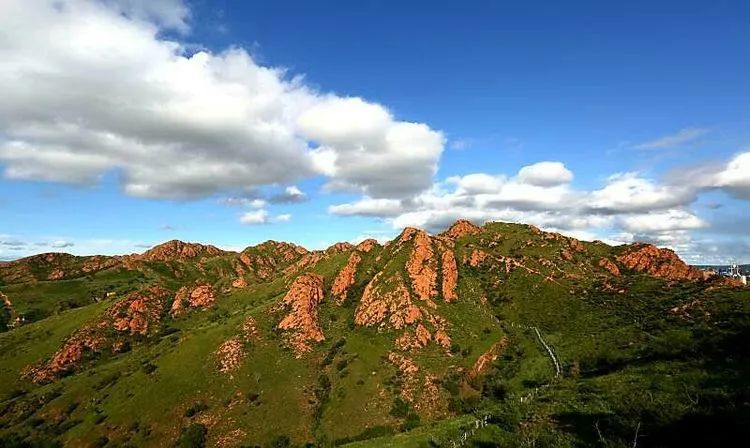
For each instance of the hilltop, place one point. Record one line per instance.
(503, 334)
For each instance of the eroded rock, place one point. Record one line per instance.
(301, 323)
(345, 278)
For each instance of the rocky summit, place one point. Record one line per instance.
(499, 335)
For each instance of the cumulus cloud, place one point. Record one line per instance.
(545, 174)
(91, 87)
(59, 244)
(629, 192)
(681, 137)
(291, 194)
(368, 207)
(262, 216)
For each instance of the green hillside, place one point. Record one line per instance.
(495, 336)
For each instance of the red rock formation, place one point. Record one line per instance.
(450, 275)
(56, 274)
(606, 264)
(301, 324)
(230, 355)
(460, 228)
(139, 312)
(477, 257)
(201, 296)
(386, 303)
(662, 263)
(345, 278)
(338, 248)
(421, 267)
(488, 357)
(178, 250)
(367, 245)
(239, 283)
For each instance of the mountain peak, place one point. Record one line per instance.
(179, 250)
(460, 228)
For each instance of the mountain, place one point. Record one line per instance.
(500, 335)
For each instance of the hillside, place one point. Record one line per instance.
(502, 335)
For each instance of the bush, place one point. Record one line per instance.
(194, 436)
(280, 442)
(399, 408)
(196, 408)
(411, 422)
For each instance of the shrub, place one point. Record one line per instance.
(194, 436)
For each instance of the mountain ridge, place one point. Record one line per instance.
(360, 340)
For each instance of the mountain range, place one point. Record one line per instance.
(499, 335)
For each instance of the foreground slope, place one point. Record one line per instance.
(503, 335)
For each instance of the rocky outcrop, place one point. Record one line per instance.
(300, 325)
(345, 278)
(607, 265)
(486, 359)
(662, 263)
(477, 257)
(421, 267)
(450, 275)
(367, 245)
(201, 296)
(232, 352)
(460, 228)
(140, 312)
(178, 250)
(339, 248)
(239, 283)
(386, 303)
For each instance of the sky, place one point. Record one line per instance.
(126, 123)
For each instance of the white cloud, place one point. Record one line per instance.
(628, 193)
(683, 136)
(545, 174)
(735, 176)
(661, 222)
(291, 194)
(262, 216)
(368, 207)
(91, 87)
(59, 244)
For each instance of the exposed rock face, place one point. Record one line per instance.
(178, 250)
(460, 228)
(662, 263)
(338, 248)
(56, 274)
(477, 257)
(421, 267)
(345, 278)
(85, 340)
(201, 296)
(301, 324)
(230, 355)
(140, 312)
(239, 283)
(488, 357)
(450, 275)
(232, 352)
(606, 264)
(386, 303)
(367, 245)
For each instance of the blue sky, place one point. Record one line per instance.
(129, 122)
